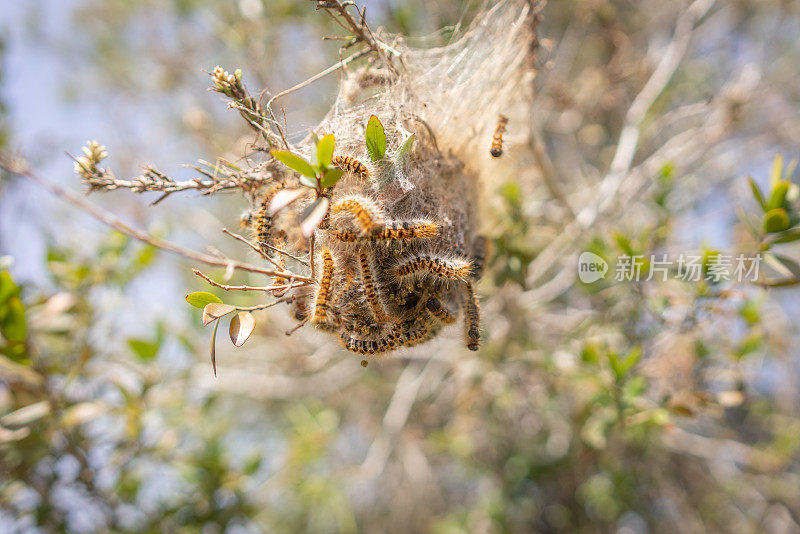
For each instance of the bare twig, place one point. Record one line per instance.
(329, 70)
(20, 167)
(247, 288)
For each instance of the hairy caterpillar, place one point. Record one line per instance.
(324, 292)
(434, 306)
(369, 288)
(392, 231)
(351, 165)
(472, 320)
(364, 212)
(497, 141)
(444, 268)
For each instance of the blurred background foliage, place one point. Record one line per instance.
(611, 407)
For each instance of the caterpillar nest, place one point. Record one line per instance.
(398, 250)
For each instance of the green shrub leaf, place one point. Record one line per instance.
(294, 162)
(405, 149)
(145, 350)
(776, 220)
(331, 177)
(325, 149)
(199, 299)
(376, 139)
(759, 196)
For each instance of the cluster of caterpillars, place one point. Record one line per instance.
(383, 282)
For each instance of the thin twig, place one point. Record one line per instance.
(20, 167)
(329, 70)
(265, 306)
(285, 253)
(246, 288)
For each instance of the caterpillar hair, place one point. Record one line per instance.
(392, 230)
(414, 336)
(280, 243)
(440, 312)
(479, 247)
(497, 140)
(324, 292)
(456, 269)
(375, 302)
(472, 319)
(246, 219)
(368, 216)
(351, 165)
(263, 224)
(378, 345)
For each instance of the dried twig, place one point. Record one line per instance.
(20, 167)
(280, 287)
(362, 32)
(329, 70)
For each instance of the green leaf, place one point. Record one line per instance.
(776, 220)
(331, 177)
(625, 244)
(7, 286)
(776, 173)
(145, 350)
(13, 326)
(759, 196)
(789, 236)
(622, 366)
(294, 162)
(778, 195)
(325, 149)
(199, 299)
(404, 150)
(375, 138)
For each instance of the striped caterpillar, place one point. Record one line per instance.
(351, 165)
(497, 141)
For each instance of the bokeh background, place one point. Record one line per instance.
(613, 407)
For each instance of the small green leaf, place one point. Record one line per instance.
(778, 195)
(776, 173)
(294, 162)
(789, 170)
(375, 138)
(776, 220)
(404, 150)
(789, 236)
(13, 325)
(331, 177)
(621, 366)
(759, 196)
(7, 286)
(199, 299)
(145, 350)
(325, 149)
